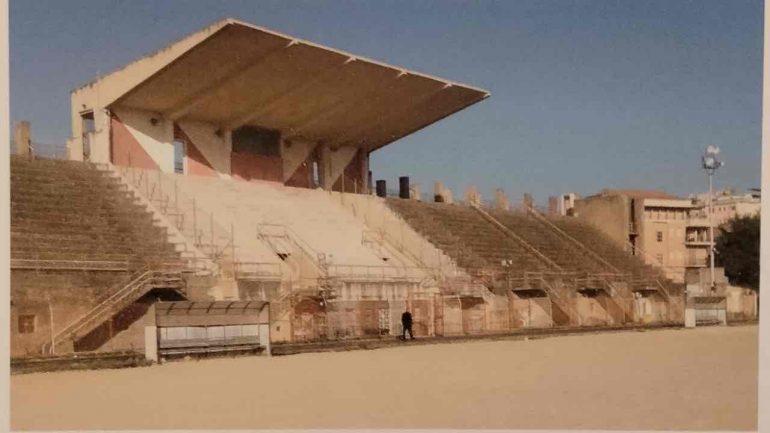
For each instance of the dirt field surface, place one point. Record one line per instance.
(664, 379)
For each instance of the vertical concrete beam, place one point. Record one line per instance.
(150, 335)
(22, 138)
(501, 200)
(294, 153)
(264, 338)
(414, 192)
(472, 196)
(334, 162)
(442, 194)
(553, 205)
(528, 202)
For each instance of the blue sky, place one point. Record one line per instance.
(585, 94)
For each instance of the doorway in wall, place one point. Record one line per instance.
(180, 150)
(88, 127)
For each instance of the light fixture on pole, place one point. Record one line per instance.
(711, 164)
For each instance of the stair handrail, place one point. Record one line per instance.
(379, 238)
(143, 184)
(143, 275)
(561, 301)
(516, 237)
(553, 226)
(306, 249)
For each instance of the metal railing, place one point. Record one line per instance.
(43, 150)
(79, 265)
(182, 211)
(564, 234)
(247, 270)
(517, 238)
(139, 281)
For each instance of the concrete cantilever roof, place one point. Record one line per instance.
(237, 74)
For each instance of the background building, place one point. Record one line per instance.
(728, 205)
(664, 230)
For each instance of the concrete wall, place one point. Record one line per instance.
(668, 252)
(71, 295)
(531, 312)
(650, 309)
(102, 92)
(213, 148)
(498, 313)
(591, 311)
(741, 303)
(137, 142)
(296, 161)
(255, 167)
(610, 214)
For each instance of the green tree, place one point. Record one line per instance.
(737, 249)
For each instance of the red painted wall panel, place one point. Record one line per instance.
(353, 171)
(247, 167)
(197, 164)
(125, 149)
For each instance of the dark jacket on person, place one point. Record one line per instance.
(406, 319)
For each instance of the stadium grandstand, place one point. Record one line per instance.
(216, 196)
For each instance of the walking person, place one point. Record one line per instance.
(406, 324)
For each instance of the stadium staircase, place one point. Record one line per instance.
(71, 216)
(142, 283)
(462, 233)
(582, 267)
(514, 249)
(643, 277)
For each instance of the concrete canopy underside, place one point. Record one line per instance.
(244, 75)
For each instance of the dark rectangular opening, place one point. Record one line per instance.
(257, 141)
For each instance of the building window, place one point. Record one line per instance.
(179, 152)
(659, 236)
(26, 323)
(256, 141)
(660, 258)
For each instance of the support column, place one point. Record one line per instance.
(442, 194)
(553, 206)
(501, 200)
(528, 202)
(472, 196)
(22, 138)
(334, 162)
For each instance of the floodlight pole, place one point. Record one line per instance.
(711, 227)
(711, 164)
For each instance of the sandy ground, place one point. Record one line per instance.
(665, 379)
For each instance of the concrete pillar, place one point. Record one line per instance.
(333, 163)
(264, 338)
(472, 196)
(689, 317)
(442, 194)
(528, 202)
(151, 343)
(22, 138)
(501, 200)
(415, 193)
(369, 181)
(403, 187)
(382, 190)
(366, 177)
(553, 206)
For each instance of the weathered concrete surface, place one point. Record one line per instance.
(671, 379)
